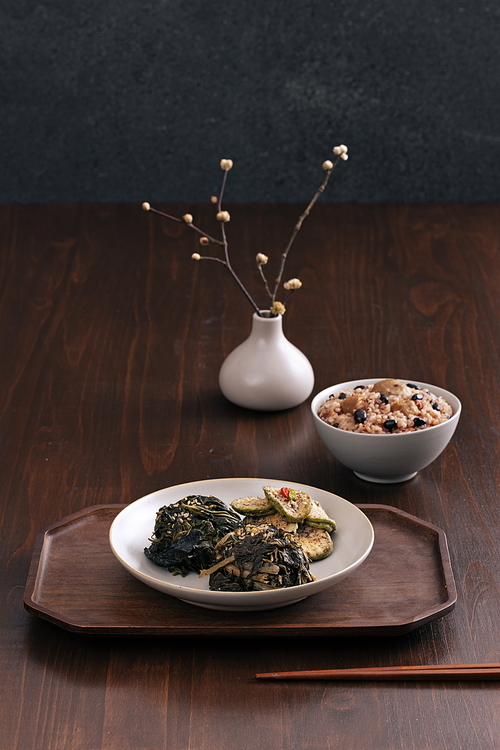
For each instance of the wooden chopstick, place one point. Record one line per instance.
(486, 671)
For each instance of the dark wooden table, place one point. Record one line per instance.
(111, 342)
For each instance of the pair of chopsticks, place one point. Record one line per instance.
(488, 671)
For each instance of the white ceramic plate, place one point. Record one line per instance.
(133, 527)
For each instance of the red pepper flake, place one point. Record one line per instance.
(285, 491)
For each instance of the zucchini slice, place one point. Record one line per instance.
(253, 506)
(319, 519)
(317, 543)
(293, 504)
(276, 519)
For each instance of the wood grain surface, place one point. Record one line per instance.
(111, 339)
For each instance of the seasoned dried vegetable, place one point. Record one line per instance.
(258, 558)
(186, 532)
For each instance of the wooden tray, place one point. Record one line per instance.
(76, 582)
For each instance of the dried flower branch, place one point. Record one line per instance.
(328, 166)
(223, 217)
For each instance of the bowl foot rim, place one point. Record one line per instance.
(386, 480)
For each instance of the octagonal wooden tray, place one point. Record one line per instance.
(76, 583)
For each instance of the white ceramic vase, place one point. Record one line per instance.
(266, 372)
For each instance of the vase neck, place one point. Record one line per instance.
(268, 328)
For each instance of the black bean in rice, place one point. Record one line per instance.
(374, 409)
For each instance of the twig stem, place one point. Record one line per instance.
(297, 227)
(263, 277)
(228, 265)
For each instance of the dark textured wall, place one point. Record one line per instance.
(130, 100)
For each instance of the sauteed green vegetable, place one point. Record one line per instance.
(186, 532)
(258, 558)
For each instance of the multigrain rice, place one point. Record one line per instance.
(388, 406)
